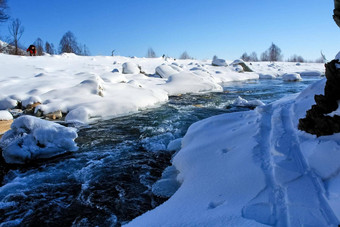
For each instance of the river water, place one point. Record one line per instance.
(108, 181)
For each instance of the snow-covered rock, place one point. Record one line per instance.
(5, 115)
(165, 71)
(311, 73)
(219, 62)
(267, 76)
(130, 68)
(245, 103)
(291, 77)
(33, 138)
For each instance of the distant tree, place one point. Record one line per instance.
(274, 53)
(49, 48)
(245, 57)
(265, 56)
(215, 58)
(185, 55)
(39, 45)
(16, 31)
(296, 58)
(151, 53)
(85, 50)
(69, 44)
(253, 57)
(3, 6)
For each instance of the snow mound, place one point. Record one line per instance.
(33, 138)
(267, 76)
(130, 68)
(291, 77)
(7, 103)
(219, 62)
(311, 73)
(5, 115)
(244, 103)
(165, 71)
(186, 82)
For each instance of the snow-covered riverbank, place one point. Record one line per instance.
(88, 88)
(254, 168)
(240, 169)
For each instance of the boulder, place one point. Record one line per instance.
(55, 115)
(240, 62)
(5, 125)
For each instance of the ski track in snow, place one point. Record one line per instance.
(286, 200)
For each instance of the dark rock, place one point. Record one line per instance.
(317, 121)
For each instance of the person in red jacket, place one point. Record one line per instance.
(32, 50)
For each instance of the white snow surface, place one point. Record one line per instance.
(253, 168)
(94, 87)
(32, 138)
(291, 77)
(5, 115)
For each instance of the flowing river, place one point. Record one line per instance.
(108, 181)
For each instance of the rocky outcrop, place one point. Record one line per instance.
(317, 121)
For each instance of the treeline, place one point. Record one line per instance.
(67, 44)
(273, 53)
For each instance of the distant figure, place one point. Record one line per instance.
(336, 11)
(32, 50)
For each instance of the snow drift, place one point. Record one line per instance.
(32, 138)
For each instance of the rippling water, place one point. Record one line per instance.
(108, 181)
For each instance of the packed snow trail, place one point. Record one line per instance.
(294, 195)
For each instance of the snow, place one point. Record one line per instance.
(95, 87)
(244, 103)
(33, 138)
(219, 62)
(291, 77)
(255, 169)
(5, 115)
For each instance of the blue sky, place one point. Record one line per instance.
(200, 27)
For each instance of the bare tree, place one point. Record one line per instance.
(245, 57)
(296, 58)
(184, 55)
(151, 53)
(16, 31)
(39, 45)
(253, 56)
(274, 53)
(49, 48)
(85, 50)
(265, 56)
(69, 44)
(3, 7)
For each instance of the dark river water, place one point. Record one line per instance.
(108, 181)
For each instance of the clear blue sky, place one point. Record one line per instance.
(203, 28)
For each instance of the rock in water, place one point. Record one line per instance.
(317, 121)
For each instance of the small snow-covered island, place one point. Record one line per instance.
(270, 165)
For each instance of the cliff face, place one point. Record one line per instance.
(317, 121)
